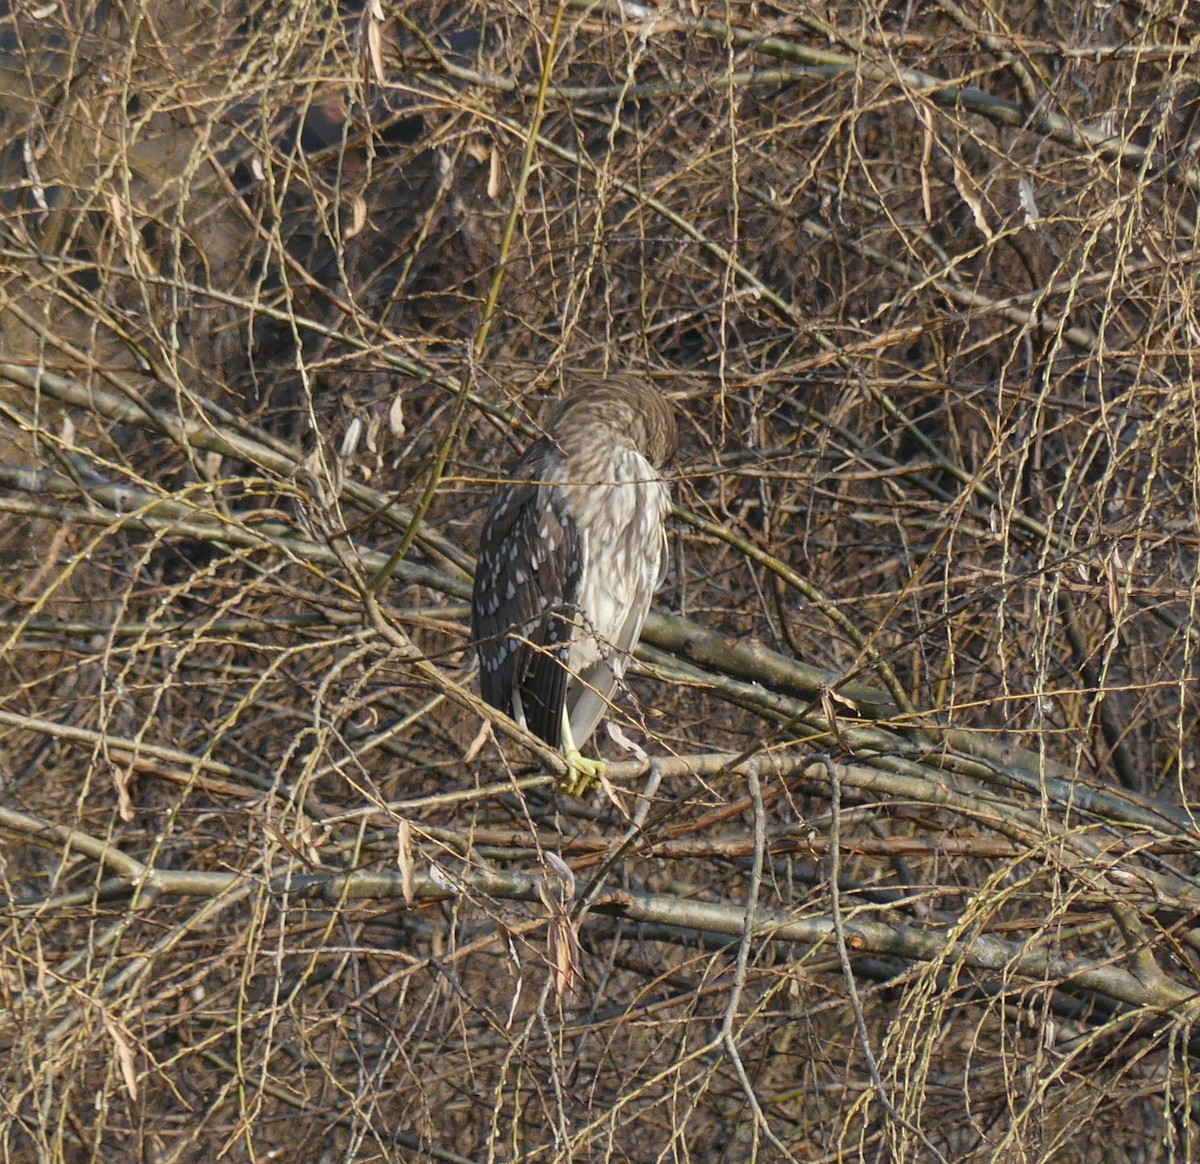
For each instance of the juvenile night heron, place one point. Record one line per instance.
(570, 555)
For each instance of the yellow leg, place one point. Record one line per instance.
(583, 772)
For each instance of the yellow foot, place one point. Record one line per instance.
(582, 775)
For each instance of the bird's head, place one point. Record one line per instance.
(622, 409)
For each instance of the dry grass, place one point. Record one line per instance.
(915, 874)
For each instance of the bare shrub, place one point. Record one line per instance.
(911, 870)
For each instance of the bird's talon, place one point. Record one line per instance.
(582, 774)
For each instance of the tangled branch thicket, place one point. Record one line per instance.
(910, 871)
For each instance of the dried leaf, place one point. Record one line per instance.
(610, 791)
(404, 858)
(284, 843)
(830, 711)
(358, 217)
(31, 149)
(972, 196)
(624, 742)
(350, 438)
(493, 186)
(125, 1057)
(512, 1006)
(1025, 190)
(562, 952)
(311, 471)
(120, 777)
(396, 416)
(309, 841)
(564, 873)
(477, 744)
(557, 891)
(1114, 567)
(926, 117)
(373, 15)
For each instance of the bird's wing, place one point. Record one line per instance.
(526, 589)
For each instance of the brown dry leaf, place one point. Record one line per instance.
(494, 172)
(31, 150)
(562, 953)
(350, 438)
(565, 875)
(309, 840)
(1028, 204)
(373, 18)
(610, 790)
(396, 416)
(971, 194)
(926, 118)
(442, 880)
(125, 1057)
(358, 217)
(624, 742)
(518, 987)
(40, 969)
(1113, 568)
(404, 858)
(829, 699)
(120, 775)
(557, 891)
(284, 843)
(477, 744)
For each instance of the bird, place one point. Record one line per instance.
(571, 553)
